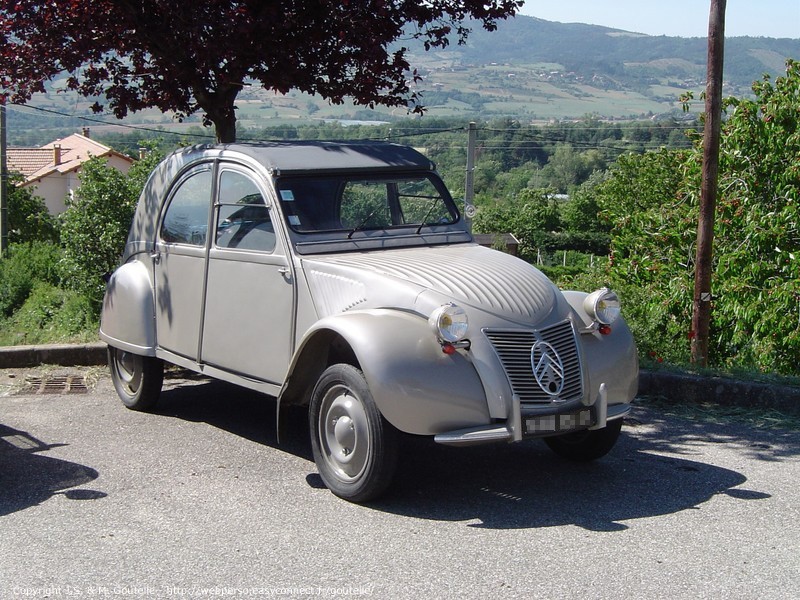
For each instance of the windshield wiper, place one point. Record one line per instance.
(434, 204)
(361, 224)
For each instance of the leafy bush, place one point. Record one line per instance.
(21, 268)
(96, 222)
(559, 273)
(50, 314)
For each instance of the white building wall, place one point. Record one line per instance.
(120, 164)
(53, 189)
(57, 186)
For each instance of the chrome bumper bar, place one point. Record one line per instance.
(512, 430)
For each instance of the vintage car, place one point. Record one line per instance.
(343, 278)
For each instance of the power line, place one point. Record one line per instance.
(119, 124)
(537, 139)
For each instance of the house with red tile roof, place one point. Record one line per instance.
(52, 170)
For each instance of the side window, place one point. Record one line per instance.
(243, 220)
(365, 205)
(186, 219)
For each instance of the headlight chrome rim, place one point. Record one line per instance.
(602, 306)
(449, 323)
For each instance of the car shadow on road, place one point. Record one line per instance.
(527, 486)
(28, 478)
(655, 469)
(235, 409)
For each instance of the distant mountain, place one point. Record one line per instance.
(627, 57)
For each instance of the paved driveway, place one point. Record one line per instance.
(200, 500)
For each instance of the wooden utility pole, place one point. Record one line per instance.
(3, 183)
(701, 313)
(469, 188)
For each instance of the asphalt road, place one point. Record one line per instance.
(199, 500)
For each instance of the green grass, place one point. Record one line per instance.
(50, 315)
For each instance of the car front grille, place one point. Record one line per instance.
(514, 346)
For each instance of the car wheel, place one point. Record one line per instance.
(584, 446)
(354, 447)
(136, 378)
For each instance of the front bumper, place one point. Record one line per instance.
(520, 426)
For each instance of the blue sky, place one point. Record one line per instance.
(686, 18)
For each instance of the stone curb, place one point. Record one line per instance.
(16, 357)
(685, 388)
(671, 386)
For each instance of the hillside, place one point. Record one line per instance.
(629, 57)
(529, 69)
(554, 70)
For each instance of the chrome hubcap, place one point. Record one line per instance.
(128, 367)
(344, 433)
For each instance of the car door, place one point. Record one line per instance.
(180, 260)
(249, 300)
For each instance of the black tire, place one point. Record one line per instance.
(137, 378)
(354, 447)
(585, 446)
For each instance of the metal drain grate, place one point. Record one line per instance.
(56, 384)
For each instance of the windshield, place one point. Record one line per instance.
(357, 203)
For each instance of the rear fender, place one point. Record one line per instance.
(418, 388)
(128, 318)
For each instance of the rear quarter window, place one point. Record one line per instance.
(186, 218)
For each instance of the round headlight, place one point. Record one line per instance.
(602, 306)
(449, 323)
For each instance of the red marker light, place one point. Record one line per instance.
(448, 349)
(604, 329)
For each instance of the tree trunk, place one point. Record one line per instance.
(225, 126)
(219, 108)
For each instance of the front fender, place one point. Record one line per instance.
(418, 388)
(128, 318)
(611, 359)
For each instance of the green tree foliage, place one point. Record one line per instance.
(28, 217)
(568, 168)
(532, 216)
(580, 214)
(651, 202)
(757, 310)
(654, 230)
(96, 222)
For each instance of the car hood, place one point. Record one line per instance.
(467, 274)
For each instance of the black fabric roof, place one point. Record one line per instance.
(304, 157)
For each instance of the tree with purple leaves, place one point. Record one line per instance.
(190, 57)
